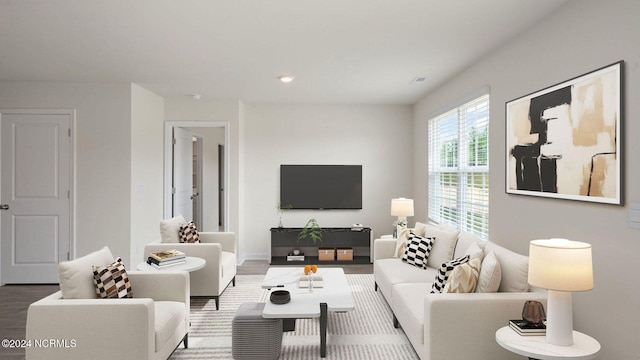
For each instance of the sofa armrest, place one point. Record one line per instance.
(79, 327)
(165, 285)
(383, 248)
(472, 320)
(226, 239)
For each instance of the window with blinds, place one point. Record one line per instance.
(458, 145)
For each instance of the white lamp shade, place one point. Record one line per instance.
(561, 265)
(402, 207)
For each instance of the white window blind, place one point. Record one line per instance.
(458, 145)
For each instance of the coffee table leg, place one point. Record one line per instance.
(323, 330)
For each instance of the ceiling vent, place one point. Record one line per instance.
(418, 80)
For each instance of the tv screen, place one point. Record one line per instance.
(321, 186)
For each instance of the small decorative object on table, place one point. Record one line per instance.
(533, 312)
(308, 270)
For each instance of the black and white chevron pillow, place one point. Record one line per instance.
(445, 270)
(417, 251)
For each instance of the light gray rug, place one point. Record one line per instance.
(366, 333)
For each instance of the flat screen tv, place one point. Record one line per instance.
(321, 186)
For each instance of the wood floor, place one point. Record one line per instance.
(15, 300)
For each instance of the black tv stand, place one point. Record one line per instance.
(285, 240)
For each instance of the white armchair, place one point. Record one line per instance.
(219, 250)
(150, 326)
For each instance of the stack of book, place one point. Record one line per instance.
(167, 258)
(294, 257)
(525, 328)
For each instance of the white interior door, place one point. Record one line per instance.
(35, 195)
(183, 173)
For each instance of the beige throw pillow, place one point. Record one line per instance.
(401, 242)
(463, 278)
(169, 229)
(76, 276)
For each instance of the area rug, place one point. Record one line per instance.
(365, 333)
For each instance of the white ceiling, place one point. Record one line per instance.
(340, 51)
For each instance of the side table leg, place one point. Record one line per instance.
(323, 330)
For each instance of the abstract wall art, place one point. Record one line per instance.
(564, 141)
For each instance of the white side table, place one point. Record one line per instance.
(536, 347)
(192, 263)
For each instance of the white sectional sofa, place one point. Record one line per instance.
(454, 325)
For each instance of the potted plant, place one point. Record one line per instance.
(312, 231)
(281, 208)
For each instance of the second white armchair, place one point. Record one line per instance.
(219, 251)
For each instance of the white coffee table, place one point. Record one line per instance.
(335, 296)
(192, 263)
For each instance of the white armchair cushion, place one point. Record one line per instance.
(76, 276)
(169, 229)
(168, 315)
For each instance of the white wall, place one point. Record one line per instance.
(147, 128)
(580, 37)
(103, 155)
(376, 137)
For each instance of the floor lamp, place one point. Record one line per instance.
(560, 266)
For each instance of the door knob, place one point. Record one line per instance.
(4, 207)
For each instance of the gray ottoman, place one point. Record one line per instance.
(254, 337)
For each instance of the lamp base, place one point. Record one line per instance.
(559, 318)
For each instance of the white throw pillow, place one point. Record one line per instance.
(475, 251)
(169, 229)
(490, 274)
(463, 278)
(443, 247)
(419, 228)
(76, 276)
(445, 271)
(417, 251)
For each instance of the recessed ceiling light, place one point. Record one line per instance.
(195, 96)
(286, 78)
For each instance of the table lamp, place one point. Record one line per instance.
(560, 266)
(402, 208)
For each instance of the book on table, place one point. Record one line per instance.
(179, 260)
(526, 328)
(168, 265)
(167, 254)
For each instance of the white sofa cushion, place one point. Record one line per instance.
(444, 245)
(169, 229)
(76, 276)
(490, 274)
(514, 268)
(408, 306)
(393, 271)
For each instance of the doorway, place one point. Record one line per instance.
(37, 194)
(207, 192)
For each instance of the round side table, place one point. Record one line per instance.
(536, 347)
